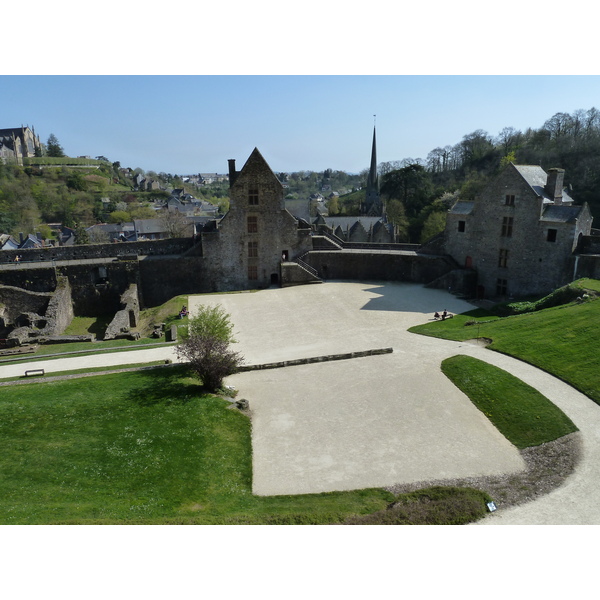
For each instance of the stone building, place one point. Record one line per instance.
(248, 245)
(520, 234)
(17, 144)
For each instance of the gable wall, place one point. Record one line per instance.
(227, 251)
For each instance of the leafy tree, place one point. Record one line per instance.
(435, 223)
(396, 215)
(53, 148)
(81, 235)
(212, 321)
(76, 181)
(119, 216)
(333, 205)
(206, 347)
(411, 185)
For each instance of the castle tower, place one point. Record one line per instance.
(372, 206)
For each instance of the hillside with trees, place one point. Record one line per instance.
(419, 192)
(56, 189)
(53, 189)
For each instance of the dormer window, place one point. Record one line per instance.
(253, 197)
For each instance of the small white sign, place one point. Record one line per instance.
(491, 506)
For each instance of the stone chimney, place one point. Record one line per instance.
(554, 184)
(232, 171)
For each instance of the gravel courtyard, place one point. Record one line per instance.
(364, 422)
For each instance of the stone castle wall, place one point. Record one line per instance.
(99, 251)
(385, 266)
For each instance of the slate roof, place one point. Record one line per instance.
(536, 177)
(462, 208)
(560, 213)
(347, 222)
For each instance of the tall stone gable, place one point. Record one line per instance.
(256, 235)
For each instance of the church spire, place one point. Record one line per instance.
(372, 205)
(373, 179)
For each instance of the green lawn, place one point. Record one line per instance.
(145, 447)
(562, 340)
(522, 414)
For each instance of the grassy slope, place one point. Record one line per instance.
(523, 415)
(561, 340)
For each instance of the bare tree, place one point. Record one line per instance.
(210, 358)
(175, 223)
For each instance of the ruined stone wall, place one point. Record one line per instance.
(59, 313)
(15, 301)
(33, 316)
(125, 318)
(97, 287)
(41, 279)
(162, 278)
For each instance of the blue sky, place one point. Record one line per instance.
(188, 124)
(183, 89)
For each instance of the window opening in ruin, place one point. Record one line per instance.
(507, 226)
(252, 224)
(509, 200)
(501, 287)
(252, 249)
(253, 197)
(503, 258)
(551, 237)
(461, 226)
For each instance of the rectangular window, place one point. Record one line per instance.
(252, 224)
(507, 226)
(503, 258)
(509, 200)
(252, 249)
(253, 197)
(551, 237)
(253, 272)
(461, 226)
(501, 287)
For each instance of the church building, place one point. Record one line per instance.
(17, 144)
(371, 226)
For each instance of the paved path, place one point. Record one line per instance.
(102, 359)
